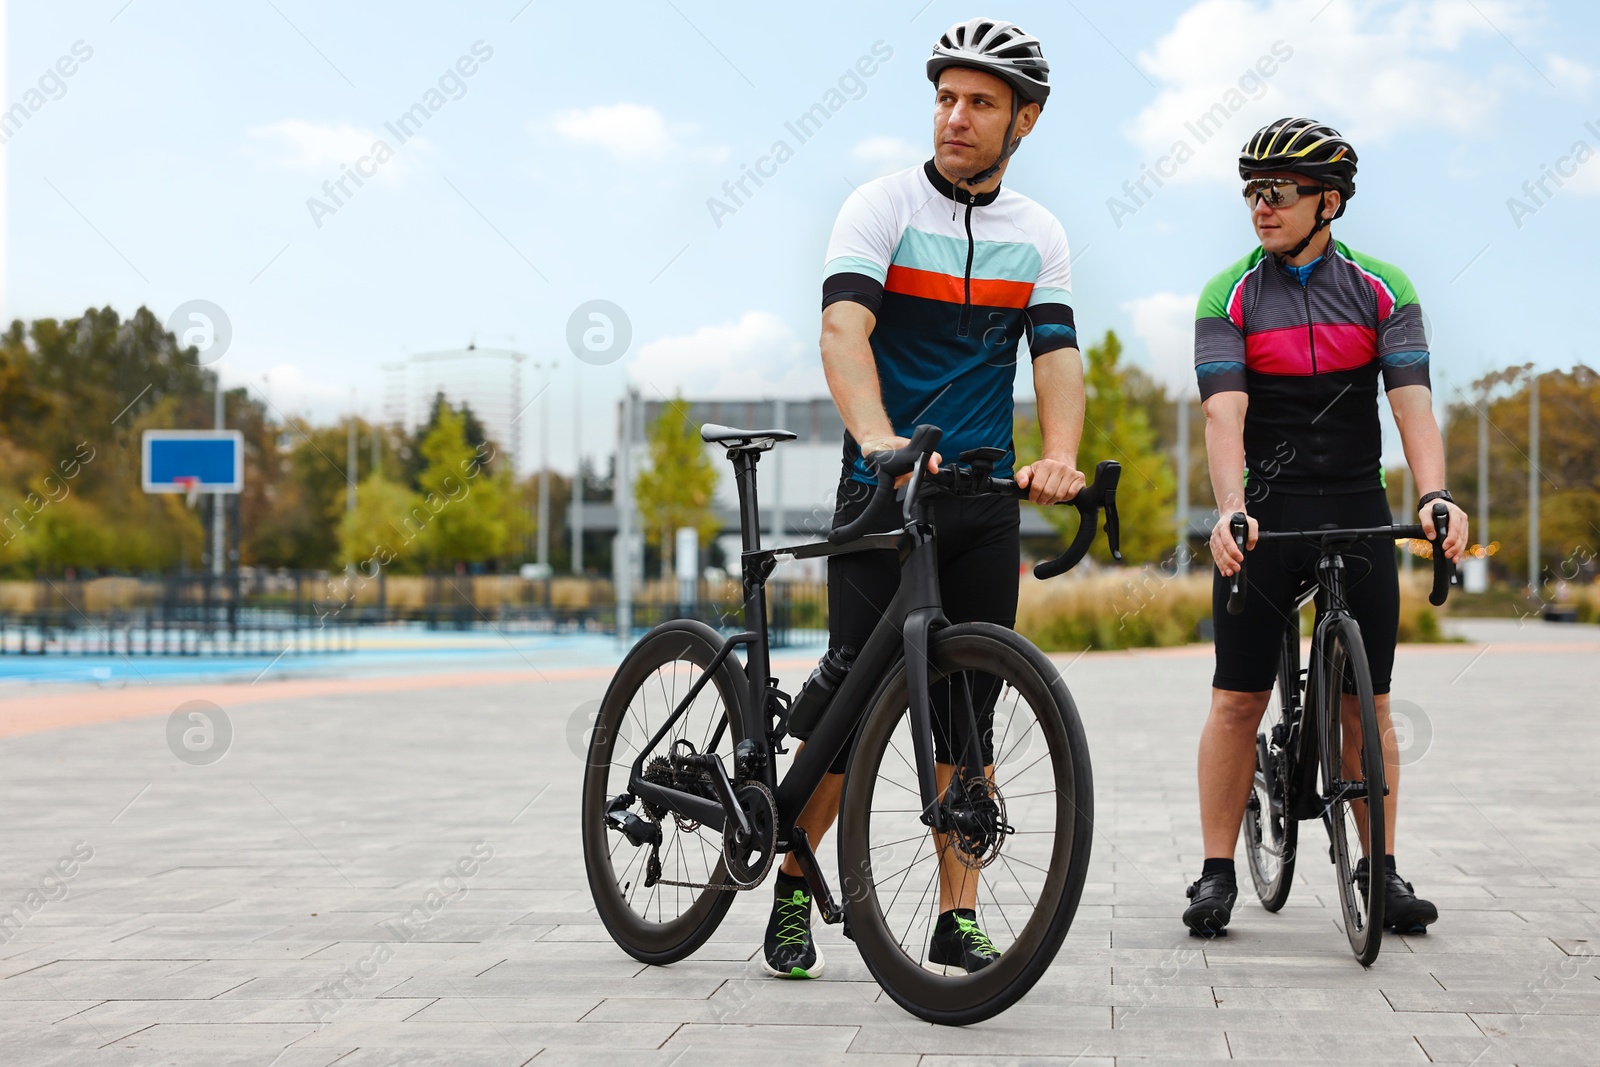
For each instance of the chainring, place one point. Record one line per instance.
(748, 863)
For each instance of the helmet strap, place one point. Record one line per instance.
(1009, 146)
(1321, 222)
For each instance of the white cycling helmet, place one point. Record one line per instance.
(996, 47)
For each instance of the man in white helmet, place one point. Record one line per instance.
(934, 275)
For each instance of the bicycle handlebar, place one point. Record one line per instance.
(890, 465)
(1099, 495)
(1443, 569)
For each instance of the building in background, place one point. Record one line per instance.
(796, 481)
(488, 380)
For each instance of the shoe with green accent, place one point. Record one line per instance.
(958, 946)
(790, 950)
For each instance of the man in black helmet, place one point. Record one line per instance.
(933, 277)
(1290, 344)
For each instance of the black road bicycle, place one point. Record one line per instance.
(1306, 768)
(682, 804)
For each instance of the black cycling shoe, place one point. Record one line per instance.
(1212, 897)
(790, 950)
(1403, 911)
(958, 946)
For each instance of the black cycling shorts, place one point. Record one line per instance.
(1248, 643)
(980, 554)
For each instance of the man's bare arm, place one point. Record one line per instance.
(853, 374)
(1058, 386)
(1225, 458)
(1424, 446)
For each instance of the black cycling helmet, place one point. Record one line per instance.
(1004, 49)
(1303, 146)
(996, 47)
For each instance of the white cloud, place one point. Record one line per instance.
(1570, 74)
(1165, 323)
(1372, 68)
(885, 155)
(756, 356)
(321, 148)
(629, 132)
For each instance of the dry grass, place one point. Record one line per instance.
(1146, 609)
(1113, 609)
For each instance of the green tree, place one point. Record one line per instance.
(463, 512)
(374, 531)
(677, 488)
(1117, 426)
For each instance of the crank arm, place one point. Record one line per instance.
(801, 850)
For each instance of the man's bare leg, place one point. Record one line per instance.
(1227, 766)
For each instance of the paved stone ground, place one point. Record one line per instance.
(206, 908)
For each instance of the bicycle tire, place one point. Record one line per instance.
(686, 647)
(1344, 667)
(1271, 831)
(961, 653)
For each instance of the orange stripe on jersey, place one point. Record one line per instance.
(931, 285)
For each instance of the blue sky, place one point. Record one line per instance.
(576, 161)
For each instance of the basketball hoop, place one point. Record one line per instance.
(191, 488)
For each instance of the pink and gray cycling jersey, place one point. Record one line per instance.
(1309, 352)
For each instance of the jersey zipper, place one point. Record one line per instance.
(1311, 328)
(965, 322)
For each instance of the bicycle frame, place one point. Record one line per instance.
(904, 630)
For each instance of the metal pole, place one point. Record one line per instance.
(544, 473)
(778, 415)
(1483, 473)
(1181, 557)
(217, 549)
(350, 467)
(577, 471)
(375, 444)
(622, 497)
(1533, 484)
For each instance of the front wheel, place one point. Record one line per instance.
(1270, 828)
(1352, 784)
(1022, 854)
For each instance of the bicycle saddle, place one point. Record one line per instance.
(736, 439)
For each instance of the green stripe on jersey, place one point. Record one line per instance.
(1012, 261)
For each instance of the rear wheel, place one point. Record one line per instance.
(651, 921)
(1352, 785)
(1025, 838)
(1270, 829)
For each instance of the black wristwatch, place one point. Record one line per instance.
(1437, 494)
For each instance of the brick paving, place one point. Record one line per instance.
(272, 907)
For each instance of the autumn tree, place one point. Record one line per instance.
(676, 490)
(1117, 426)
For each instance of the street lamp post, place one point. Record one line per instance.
(1533, 484)
(544, 467)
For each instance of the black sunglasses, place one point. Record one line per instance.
(1277, 192)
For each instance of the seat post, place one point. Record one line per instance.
(744, 477)
(754, 586)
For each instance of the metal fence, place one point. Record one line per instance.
(260, 612)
